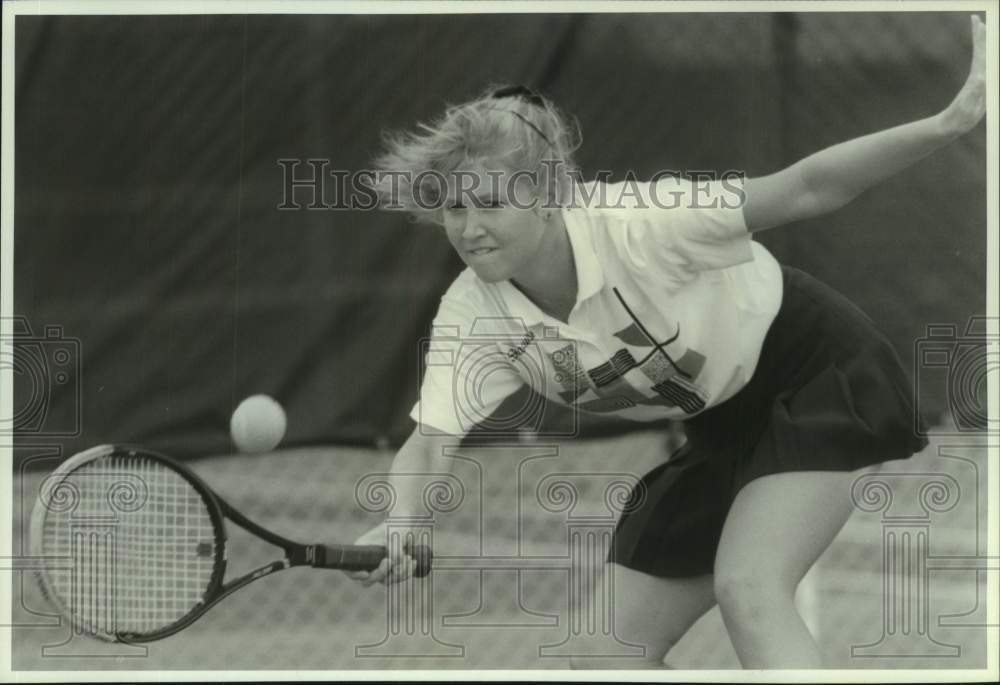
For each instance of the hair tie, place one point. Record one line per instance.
(528, 94)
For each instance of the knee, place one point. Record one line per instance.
(745, 597)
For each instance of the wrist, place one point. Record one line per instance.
(950, 124)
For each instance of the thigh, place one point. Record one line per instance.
(650, 612)
(779, 525)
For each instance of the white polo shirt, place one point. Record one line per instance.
(674, 300)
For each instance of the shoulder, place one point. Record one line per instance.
(615, 211)
(610, 211)
(665, 193)
(631, 193)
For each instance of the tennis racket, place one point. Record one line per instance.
(133, 545)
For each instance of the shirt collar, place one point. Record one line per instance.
(589, 275)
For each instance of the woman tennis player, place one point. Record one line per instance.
(665, 307)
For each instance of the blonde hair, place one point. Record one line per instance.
(509, 132)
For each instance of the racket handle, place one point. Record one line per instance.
(367, 557)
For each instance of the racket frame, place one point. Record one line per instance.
(296, 554)
(215, 513)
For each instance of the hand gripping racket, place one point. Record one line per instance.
(134, 545)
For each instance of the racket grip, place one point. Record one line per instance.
(367, 557)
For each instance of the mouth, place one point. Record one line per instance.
(481, 251)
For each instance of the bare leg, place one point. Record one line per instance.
(652, 612)
(777, 528)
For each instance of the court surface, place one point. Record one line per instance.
(528, 512)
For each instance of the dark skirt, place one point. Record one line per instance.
(829, 394)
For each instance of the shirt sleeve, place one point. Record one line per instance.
(677, 228)
(466, 375)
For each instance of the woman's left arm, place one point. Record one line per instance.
(830, 178)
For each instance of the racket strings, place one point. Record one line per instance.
(141, 544)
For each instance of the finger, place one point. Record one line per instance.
(405, 569)
(978, 29)
(977, 68)
(395, 554)
(392, 577)
(358, 575)
(396, 546)
(368, 580)
(978, 37)
(384, 568)
(379, 574)
(399, 572)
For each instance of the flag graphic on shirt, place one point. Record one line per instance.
(620, 363)
(605, 387)
(569, 374)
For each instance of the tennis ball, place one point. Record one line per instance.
(258, 424)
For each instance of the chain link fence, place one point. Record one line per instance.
(520, 534)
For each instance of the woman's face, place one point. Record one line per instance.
(494, 226)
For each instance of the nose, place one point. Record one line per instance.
(474, 225)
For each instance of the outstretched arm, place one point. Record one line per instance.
(831, 178)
